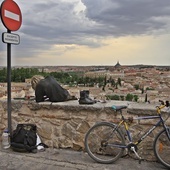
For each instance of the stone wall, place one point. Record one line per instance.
(64, 125)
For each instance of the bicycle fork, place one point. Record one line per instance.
(168, 132)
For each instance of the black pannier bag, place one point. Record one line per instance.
(24, 138)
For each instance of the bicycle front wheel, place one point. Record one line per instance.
(162, 148)
(103, 143)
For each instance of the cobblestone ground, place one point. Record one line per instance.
(64, 159)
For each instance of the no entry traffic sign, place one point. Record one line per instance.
(11, 15)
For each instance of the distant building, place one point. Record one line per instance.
(117, 65)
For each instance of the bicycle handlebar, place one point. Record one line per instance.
(166, 103)
(163, 104)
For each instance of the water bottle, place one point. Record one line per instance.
(5, 139)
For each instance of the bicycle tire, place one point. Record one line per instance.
(162, 148)
(99, 133)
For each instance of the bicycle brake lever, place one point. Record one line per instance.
(162, 102)
(167, 103)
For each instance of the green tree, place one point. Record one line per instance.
(135, 97)
(129, 97)
(122, 98)
(112, 82)
(112, 97)
(3, 75)
(119, 81)
(146, 97)
(136, 86)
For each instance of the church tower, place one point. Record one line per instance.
(117, 64)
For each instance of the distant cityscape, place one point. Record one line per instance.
(149, 83)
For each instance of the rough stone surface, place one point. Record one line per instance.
(64, 124)
(66, 159)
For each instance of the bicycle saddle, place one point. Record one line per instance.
(117, 108)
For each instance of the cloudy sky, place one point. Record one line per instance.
(91, 32)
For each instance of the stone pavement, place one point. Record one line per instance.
(66, 159)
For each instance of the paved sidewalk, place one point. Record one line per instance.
(65, 159)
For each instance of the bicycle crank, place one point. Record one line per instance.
(133, 148)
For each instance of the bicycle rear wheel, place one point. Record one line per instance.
(162, 148)
(103, 143)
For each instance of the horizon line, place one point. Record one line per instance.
(84, 65)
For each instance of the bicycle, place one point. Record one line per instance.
(105, 141)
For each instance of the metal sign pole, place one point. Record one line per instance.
(9, 83)
(11, 17)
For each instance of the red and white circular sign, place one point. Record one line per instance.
(11, 15)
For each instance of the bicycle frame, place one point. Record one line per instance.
(123, 121)
(161, 121)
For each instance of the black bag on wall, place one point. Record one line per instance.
(24, 138)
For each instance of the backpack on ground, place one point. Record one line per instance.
(24, 138)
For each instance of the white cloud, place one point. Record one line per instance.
(86, 23)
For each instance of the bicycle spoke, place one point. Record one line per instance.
(102, 143)
(162, 148)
